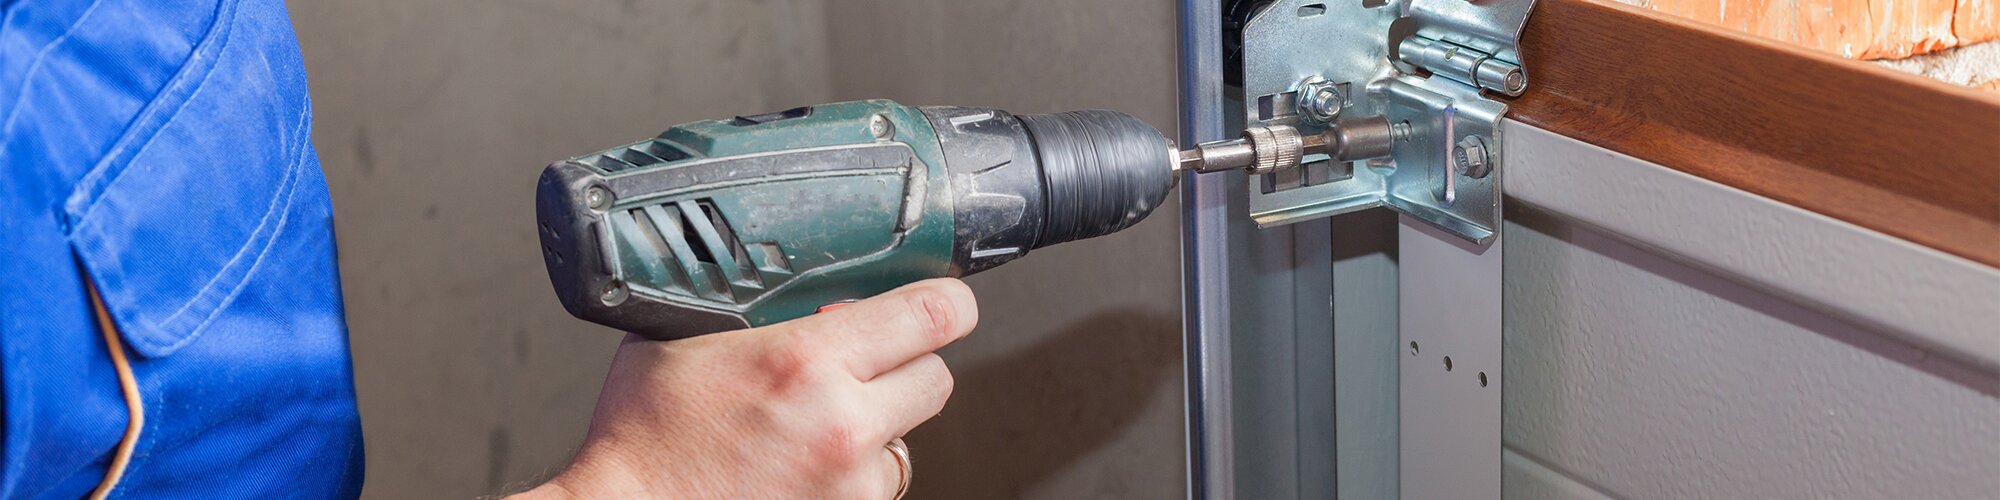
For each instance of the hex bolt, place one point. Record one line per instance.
(1319, 101)
(880, 127)
(1472, 157)
(597, 197)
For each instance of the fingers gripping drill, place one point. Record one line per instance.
(725, 224)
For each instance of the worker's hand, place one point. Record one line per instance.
(800, 409)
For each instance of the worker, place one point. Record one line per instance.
(171, 321)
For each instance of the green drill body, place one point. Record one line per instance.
(724, 224)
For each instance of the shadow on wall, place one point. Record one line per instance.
(1016, 420)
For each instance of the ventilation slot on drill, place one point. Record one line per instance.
(771, 261)
(775, 116)
(640, 158)
(611, 165)
(740, 266)
(690, 251)
(727, 235)
(697, 246)
(654, 247)
(666, 153)
(644, 154)
(702, 248)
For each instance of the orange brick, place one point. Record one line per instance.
(1859, 29)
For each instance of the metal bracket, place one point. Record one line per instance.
(1427, 66)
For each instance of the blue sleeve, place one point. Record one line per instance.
(161, 150)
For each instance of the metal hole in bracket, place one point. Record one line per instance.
(1413, 348)
(1312, 10)
(1447, 363)
(1277, 105)
(1370, 4)
(1319, 169)
(1318, 172)
(1482, 379)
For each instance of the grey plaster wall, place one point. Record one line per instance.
(1071, 386)
(433, 118)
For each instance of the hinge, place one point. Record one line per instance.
(1415, 79)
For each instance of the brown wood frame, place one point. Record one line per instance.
(1901, 154)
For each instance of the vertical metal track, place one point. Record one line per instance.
(1450, 375)
(1259, 326)
(1205, 260)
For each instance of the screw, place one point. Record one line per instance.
(597, 198)
(1401, 131)
(1472, 157)
(880, 127)
(615, 293)
(1319, 100)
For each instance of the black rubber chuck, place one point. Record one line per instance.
(1102, 171)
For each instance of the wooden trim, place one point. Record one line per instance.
(1901, 154)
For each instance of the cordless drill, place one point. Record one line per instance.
(725, 224)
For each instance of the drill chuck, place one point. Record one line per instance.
(1030, 181)
(1103, 170)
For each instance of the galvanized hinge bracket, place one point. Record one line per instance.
(1415, 79)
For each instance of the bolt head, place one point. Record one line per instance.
(1327, 100)
(1472, 157)
(880, 127)
(597, 197)
(1319, 101)
(615, 293)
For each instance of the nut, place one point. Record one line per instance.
(1472, 157)
(1319, 101)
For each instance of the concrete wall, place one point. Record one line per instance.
(433, 118)
(1071, 386)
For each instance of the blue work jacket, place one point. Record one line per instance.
(160, 149)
